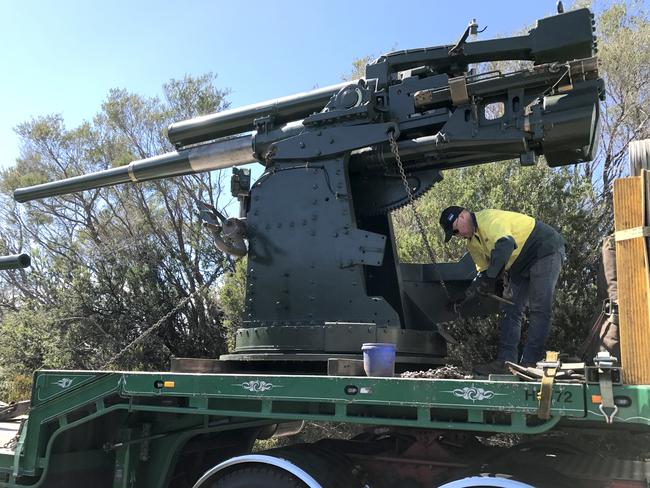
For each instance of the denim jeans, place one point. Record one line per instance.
(537, 290)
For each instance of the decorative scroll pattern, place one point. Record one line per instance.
(64, 382)
(473, 393)
(257, 386)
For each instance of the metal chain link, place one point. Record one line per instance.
(160, 321)
(395, 150)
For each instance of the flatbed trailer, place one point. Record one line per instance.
(128, 429)
(324, 278)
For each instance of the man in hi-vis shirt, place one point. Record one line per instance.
(531, 253)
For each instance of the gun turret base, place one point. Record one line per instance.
(308, 348)
(279, 363)
(276, 363)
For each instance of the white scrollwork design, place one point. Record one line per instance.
(257, 386)
(473, 393)
(64, 382)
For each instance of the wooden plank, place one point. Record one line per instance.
(645, 174)
(633, 274)
(195, 365)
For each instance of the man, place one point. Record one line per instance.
(531, 253)
(604, 334)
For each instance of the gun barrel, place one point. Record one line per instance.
(15, 261)
(236, 121)
(217, 155)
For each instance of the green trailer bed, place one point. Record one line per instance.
(107, 420)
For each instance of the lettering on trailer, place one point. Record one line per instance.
(560, 396)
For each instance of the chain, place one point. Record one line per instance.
(162, 320)
(464, 325)
(418, 220)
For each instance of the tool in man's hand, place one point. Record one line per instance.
(484, 286)
(456, 306)
(497, 298)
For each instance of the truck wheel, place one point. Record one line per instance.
(485, 482)
(258, 477)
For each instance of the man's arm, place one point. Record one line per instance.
(500, 255)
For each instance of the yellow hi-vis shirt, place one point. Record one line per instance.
(492, 225)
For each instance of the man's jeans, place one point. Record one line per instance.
(537, 290)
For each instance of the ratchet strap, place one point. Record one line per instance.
(550, 365)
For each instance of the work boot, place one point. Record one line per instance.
(493, 367)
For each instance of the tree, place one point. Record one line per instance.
(231, 301)
(109, 263)
(624, 54)
(358, 68)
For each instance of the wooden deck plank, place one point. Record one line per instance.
(633, 273)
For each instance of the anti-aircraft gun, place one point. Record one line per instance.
(323, 275)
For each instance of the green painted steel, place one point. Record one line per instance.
(323, 273)
(193, 404)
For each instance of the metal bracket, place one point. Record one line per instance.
(356, 246)
(13, 410)
(323, 143)
(264, 124)
(458, 90)
(240, 187)
(550, 365)
(606, 364)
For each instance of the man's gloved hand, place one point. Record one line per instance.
(480, 285)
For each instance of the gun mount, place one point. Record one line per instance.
(15, 261)
(323, 275)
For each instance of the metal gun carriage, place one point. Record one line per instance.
(323, 274)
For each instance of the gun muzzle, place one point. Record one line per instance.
(217, 155)
(15, 261)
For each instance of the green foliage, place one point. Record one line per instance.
(31, 339)
(110, 263)
(16, 388)
(231, 301)
(358, 68)
(623, 30)
(193, 96)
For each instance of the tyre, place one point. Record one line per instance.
(485, 482)
(257, 477)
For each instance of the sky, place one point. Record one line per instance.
(63, 57)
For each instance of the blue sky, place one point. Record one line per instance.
(63, 57)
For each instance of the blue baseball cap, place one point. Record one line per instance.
(447, 219)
